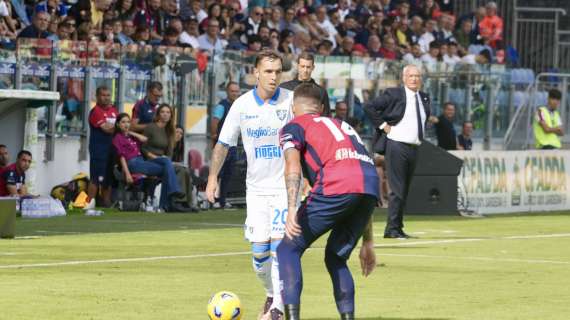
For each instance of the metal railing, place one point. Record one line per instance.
(537, 30)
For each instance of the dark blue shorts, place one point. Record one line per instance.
(345, 215)
(98, 172)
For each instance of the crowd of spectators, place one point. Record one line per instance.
(416, 31)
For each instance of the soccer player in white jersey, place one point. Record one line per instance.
(259, 115)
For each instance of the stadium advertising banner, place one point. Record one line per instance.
(514, 181)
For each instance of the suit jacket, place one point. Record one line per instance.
(291, 85)
(389, 107)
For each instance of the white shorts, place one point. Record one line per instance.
(266, 216)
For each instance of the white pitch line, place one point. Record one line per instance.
(403, 243)
(475, 258)
(82, 262)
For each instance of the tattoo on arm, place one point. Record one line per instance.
(368, 234)
(292, 183)
(218, 157)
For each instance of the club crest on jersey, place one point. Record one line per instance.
(281, 114)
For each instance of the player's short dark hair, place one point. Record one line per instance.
(267, 54)
(154, 85)
(306, 56)
(24, 152)
(3, 146)
(554, 94)
(308, 91)
(466, 122)
(448, 103)
(100, 89)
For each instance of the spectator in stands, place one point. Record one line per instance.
(451, 58)
(151, 17)
(465, 35)
(346, 47)
(118, 34)
(464, 141)
(414, 56)
(428, 36)
(341, 110)
(128, 29)
(253, 44)
(415, 30)
(547, 123)
(286, 42)
(214, 12)
(274, 40)
(484, 57)
(52, 7)
(446, 26)
(181, 169)
(374, 46)
(252, 24)
(389, 49)
(195, 10)
(211, 41)
(126, 9)
(264, 33)
(492, 25)
(160, 142)
(324, 48)
(127, 144)
(191, 33)
(302, 42)
(144, 109)
(429, 9)
(142, 35)
(4, 156)
(38, 28)
(101, 125)
(444, 129)
(325, 24)
(170, 38)
(288, 20)
(219, 114)
(276, 19)
(13, 177)
(61, 34)
(432, 57)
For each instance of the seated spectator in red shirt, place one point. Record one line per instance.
(389, 50)
(13, 177)
(128, 147)
(492, 25)
(4, 156)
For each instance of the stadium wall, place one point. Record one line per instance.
(494, 182)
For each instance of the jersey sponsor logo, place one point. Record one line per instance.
(261, 132)
(281, 114)
(347, 153)
(248, 116)
(267, 151)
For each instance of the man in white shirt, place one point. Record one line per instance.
(210, 41)
(428, 36)
(415, 56)
(400, 114)
(451, 58)
(259, 115)
(324, 22)
(191, 33)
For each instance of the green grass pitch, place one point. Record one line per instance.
(163, 266)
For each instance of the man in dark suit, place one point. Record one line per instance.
(400, 115)
(305, 67)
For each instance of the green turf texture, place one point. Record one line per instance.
(479, 274)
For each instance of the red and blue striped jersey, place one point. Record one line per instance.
(334, 158)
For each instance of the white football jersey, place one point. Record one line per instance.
(259, 123)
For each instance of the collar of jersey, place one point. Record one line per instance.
(260, 101)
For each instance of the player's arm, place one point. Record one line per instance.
(12, 190)
(293, 177)
(367, 255)
(23, 191)
(376, 107)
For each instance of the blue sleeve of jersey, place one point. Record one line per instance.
(292, 136)
(218, 111)
(10, 177)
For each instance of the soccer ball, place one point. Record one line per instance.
(224, 305)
